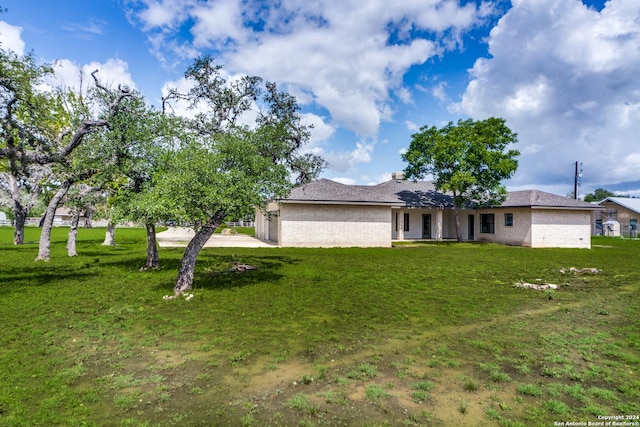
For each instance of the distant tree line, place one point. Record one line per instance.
(600, 194)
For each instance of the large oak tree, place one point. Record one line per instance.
(226, 166)
(469, 159)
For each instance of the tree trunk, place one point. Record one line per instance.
(88, 217)
(456, 217)
(110, 236)
(153, 260)
(45, 236)
(18, 230)
(19, 210)
(73, 232)
(188, 265)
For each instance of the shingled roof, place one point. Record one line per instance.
(416, 194)
(325, 190)
(540, 199)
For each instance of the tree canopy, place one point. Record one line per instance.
(28, 119)
(600, 194)
(245, 145)
(225, 166)
(468, 159)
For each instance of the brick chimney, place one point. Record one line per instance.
(398, 176)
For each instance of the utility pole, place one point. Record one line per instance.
(576, 180)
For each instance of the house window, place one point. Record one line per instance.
(612, 214)
(396, 221)
(633, 224)
(487, 223)
(508, 220)
(406, 222)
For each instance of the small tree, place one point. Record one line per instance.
(28, 118)
(74, 161)
(148, 134)
(224, 169)
(467, 159)
(78, 199)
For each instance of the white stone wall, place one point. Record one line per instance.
(519, 234)
(539, 228)
(561, 229)
(267, 225)
(316, 225)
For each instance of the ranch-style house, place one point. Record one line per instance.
(326, 213)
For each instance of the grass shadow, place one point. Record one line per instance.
(214, 271)
(14, 278)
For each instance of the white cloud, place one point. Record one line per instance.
(69, 75)
(347, 57)
(404, 95)
(348, 161)
(164, 13)
(321, 131)
(411, 126)
(86, 30)
(439, 92)
(10, 38)
(565, 78)
(217, 22)
(345, 181)
(380, 178)
(180, 107)
(632, 159)
(532, 149)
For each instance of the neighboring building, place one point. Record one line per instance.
(326, 213)
(63, 216)
(624, 211)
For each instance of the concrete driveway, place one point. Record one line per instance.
(180, 236)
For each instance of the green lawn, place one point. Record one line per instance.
(434, 334)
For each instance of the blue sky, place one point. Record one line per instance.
(563, 73)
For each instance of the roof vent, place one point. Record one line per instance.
(397, 175)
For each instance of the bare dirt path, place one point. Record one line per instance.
(180, 236)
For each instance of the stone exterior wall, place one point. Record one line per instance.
(539, 228)
(267, 223)
(335, 225)
(318, 225)
(519, 234)
(561, 229)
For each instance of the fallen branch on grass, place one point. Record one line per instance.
(187, 297)
(574, 270)
(239, 268)
(536, 287)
